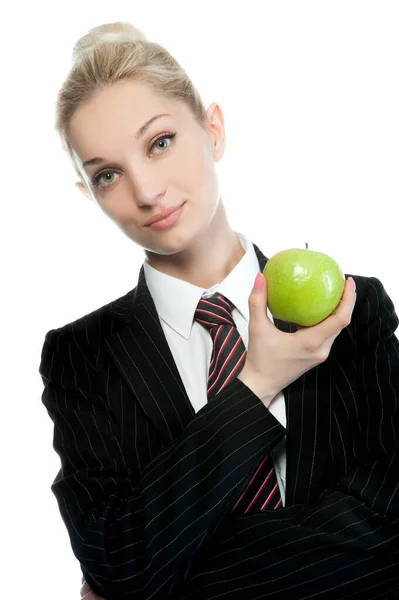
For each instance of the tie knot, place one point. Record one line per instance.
(212, 312)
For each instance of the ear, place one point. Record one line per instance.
(83, 189)
(217, 130)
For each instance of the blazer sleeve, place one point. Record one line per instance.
(135, 530)
(345, 545)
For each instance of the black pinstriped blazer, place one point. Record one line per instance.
(146, 485)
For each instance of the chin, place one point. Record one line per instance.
(165, 245)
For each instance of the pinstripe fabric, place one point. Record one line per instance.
(146, 485)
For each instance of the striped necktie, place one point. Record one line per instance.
(227, 360)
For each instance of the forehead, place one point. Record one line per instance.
(115, 114)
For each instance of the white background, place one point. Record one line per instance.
(310, 95)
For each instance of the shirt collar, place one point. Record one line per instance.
(176, 300)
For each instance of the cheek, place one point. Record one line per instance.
(194, 164)
(205, 175)
(119, 209)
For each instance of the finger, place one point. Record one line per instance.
(340, 318)
(91, 596)
(84, 589)
(347, 302)
(257, 303)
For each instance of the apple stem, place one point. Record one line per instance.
(306, 245)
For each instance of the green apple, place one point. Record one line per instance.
(303, 286)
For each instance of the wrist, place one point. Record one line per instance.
(257, 386)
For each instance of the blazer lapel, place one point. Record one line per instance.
(142, 355)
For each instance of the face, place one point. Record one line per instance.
(171, 163)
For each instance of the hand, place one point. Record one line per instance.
(275, 358)
(86, 592)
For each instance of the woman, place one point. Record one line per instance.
(207, 449)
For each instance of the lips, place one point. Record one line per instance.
(163, 214)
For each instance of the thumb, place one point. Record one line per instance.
(258, 298)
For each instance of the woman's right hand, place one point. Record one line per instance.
(275, 358)
(86, 593)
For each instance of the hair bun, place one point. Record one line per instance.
(109, 32)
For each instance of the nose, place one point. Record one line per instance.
(146, 188)
(150, 199)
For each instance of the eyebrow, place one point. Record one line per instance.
(98, 159)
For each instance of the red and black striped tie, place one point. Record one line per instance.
(227, 360)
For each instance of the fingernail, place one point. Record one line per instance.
(259, 281)
(353, 283)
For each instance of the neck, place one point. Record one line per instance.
(209, 259)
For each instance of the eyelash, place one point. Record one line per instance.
(94, 181)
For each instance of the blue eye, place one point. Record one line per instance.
(168, 136)
(96, 179)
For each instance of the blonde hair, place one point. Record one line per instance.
(116, 52)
